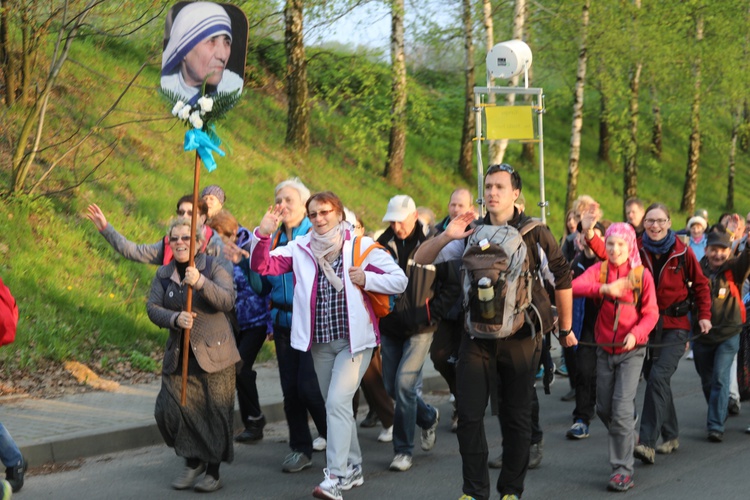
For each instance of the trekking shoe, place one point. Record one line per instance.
(14, 475)
(496, 463)
(428, 435)
(401, 462)
(535, 454)
(466, 497)
(371, 420)
(715, 436)
(510, 497)
(620, 482)
(319, 443)
(569, 396)
(353, 478)
(208, 484)
(329, 489)
(253, 431)
(386, 435)
(578, 430)
(733, 407)
(6, 491)
(295, 462)
(668, 447)
(188, 477)
(644, 453)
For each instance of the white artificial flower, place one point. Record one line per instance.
(195, 120)
(184, 113)
(177, 107)
(206, 104)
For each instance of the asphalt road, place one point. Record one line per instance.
(570, 469)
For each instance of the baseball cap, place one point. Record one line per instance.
(719, 239)
(399, 208)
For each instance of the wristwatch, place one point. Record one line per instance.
(563, 333)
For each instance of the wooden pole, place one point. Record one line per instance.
(191, 263)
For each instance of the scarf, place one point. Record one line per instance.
(660, 247)
(326, 249)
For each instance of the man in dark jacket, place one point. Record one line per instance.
(509, 364)
(406, 333)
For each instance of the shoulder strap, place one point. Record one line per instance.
(636, 279)
(357, 258)
(530, 224)
(729, 276)
(603, 270)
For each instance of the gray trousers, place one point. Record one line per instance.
(616, 384)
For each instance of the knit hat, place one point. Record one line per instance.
(626, 232)
(193, 24)
(399, 208)
(697, 220)
(216, 191)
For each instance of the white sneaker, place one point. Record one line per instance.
(428, 435)
(401, 462)
(353, 478)
(386, 435)
(319, 444)
(690, 354)
(329, 489)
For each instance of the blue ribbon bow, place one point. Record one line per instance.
(196, 139)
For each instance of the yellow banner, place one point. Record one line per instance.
(509, 122)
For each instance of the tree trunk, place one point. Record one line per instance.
(694, 144)
(394, 165)
(737, 120)
(577, 123)
(527, 148)
(497, 149)
(489, 38)
(630, 172)
(603, 153)
(298, 115)
(6, 54)
(656, 130)
(465, 163)
(26, 54)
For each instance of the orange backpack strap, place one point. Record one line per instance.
(357, 257)
(729, 276)
(636, 279)
(603, 273)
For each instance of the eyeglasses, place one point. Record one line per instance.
(651, 222)
(184, 213)
(175, 239)
(500, 167)
(321, 213)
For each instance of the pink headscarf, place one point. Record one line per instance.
(625, 231)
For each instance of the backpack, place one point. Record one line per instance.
(8, 315)
(382, 303)
(499, 254)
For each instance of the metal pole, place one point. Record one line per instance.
(540, 122)
(480, 166)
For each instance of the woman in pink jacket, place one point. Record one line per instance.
(627, 314)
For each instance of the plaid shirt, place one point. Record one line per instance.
(331, 316)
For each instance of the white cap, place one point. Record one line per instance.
(399, 208)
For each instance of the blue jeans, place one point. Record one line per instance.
(10, 455)
(403, 359)
(713, 362)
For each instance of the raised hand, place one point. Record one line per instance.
(96, 216)
(271, 220)
(456, 230)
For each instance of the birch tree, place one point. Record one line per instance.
(690, 188)
(394, 165)
(298, 114)
(630, 170)
(465, 164)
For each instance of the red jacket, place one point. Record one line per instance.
(632, 319)
(671, 288)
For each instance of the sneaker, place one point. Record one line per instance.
(579, 430)
(510, 497)
(715, 436)
(386, 435)
(188, 477)
(644, 453)
(496, 463)
(319, 444)
(690, 354)
(253, 431)
(428, 435)
(733, 407)
(14, 475)
(6, 491)
(295, 462)
(466, 497)
(540, 373)
(569, 396)
(562, 369)
(536, 454)
(353, 478)
(329, 489)
(620, 482)
(668, 447)
(208, 484)
(401, 462)
(371, 420)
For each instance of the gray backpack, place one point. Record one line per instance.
(497, 281)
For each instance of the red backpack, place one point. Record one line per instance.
(8, 315)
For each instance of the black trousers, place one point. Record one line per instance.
(585, 379)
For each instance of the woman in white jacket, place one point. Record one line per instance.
(332, 318)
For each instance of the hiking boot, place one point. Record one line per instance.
(371, 420)
(295, 462)
(14, 475)
(208, 484)
(715, 436)
(386, 435)
(578, 430)
(401, 462)
(733, 407)
(253, 431)
(353, 478)
(188, 477)
(496, 463)
(319, 443)
(644, 453)
(428, 435)
(620, 482)
(535, 454)
(668, 447)
(329, 489)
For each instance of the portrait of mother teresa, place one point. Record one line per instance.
(198, 49)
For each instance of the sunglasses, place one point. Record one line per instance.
(185, 213)
(175, 239)
(319, 213)
(501, 167)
